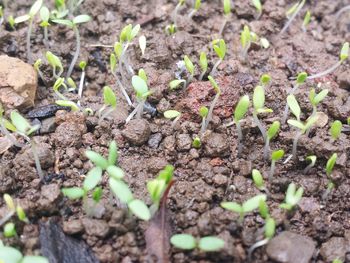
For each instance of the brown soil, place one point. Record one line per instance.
(204, 177)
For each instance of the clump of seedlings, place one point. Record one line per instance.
(275, 156)
(247, 38)
(227, 15)
(271, 133)
(293, 196)
(219, 47)
(336, 129)
(292, 13)
(248, 206)
(110, 103)
(30, 17)
(329, 170)
(13, 255)
(172, 115)
(312, 159)
(188, 242)
(196, 6)
(344, 54)
(240, 111)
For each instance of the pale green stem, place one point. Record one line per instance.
(260, 126)
(140, 109)
(77, 51)
(46, 38)
(240, 139)
(326, 72)
(295, 145)
(37, 160)
(223, 26)
(213, 71)
(211, 109)
(272, 170)
(292, 18)
(255, 246)
(267, 149)
(202, 75)
(81, 86)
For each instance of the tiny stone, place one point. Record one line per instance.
(73, 227)
(220, 180)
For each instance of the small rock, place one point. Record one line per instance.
(137, 131)
(68, 134)
(49, 196)
(220, 180)
(154, 140)
(183, 142)
(289, 247)
(336, 247)
(6, 182)
(48, 125)
(216, 145)
(169, 143)
(95, 227)
(155, 164)
(343, 79)
(309, 205)
(73, 227)
(245, 168)
(18, 83)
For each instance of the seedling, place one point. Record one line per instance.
(271, 133)
(10, 230)
(175, 84)
(275, 156)
(82, 66)
(190, 68)
(293, 196)
(258, 180)
(170, 29)
(316, 99)
(30, 17)
(344, 54)
(203, 62)
(215, 100)
(227, 15)
(67, 103)
(176, 11)
(258, 103)
(196, 143)
(219, 47)
(329, 170)
(306, 21)
(257, 4)
(248, 206)
(172, 115)
(11, 22)
(110, 103)
(240, 112)
(336, 129)
(12, 255)
(203, 112)
(292, 13)
(197, 5)
(290, 99)
(142, 44)
(312, 159)
(36, 66)
(188, 242)
(1, 15)
(73, 24)
(13, 209)
(57, 86)
(337, 260)
(341, 11)
(55, 63)
(45, 17)
(245, 41)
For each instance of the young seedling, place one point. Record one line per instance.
(172, 115)
(1, 15)
(248, 206)
(300, 81)
(258, 180)
(10, 230)
(306, 21)
(227, 15)
(70, 104)
(344, 54)
(246, 41)
(316, 99)
(13, 209)
(11, 22)
(73, 24)
(36, 66)
(240, 112)
(176, 11)
(45, 17)
(293, 196)
(142, 44)
(329, 170)
(57, 86)
(203, 62)
(190, 68)
(271, 133)
(258, 6)
(203, 112)
(214, 102)
(336, 129)
(170, 29)
(110, 103)
(197, 5)
(55, 63)
(275, 156)
(188, 242)
(12, 255)
(176, 83)
(219, 47)
(292, 13)
(312, 159)
(82, 66)
(258, 103)
(196, 143)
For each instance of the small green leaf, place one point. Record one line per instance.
(109, 97)
(253, 203)
(167, 173)
(241, 108)
(203, 111)
(139, 209)
(142, 74)
(73, 192)
(245, 37)
(21, 124)
(264, 43)
(270, 227)
(35, 8)
(92, 179)
(335, 129)
(257, 178)
(156, 188)
(171, 114)
(113, 62)
(97, 159)
(174, 84)
(330, 164)
(220, 48)
(97, 194)
(214, 84)
(277, 155)
(9, 230)
(21, 214)
(310, 122)
(81, 19)
(64, 22)
(125, 33)
(183, 241)
(263, 209)
(115, 172)
(140, 87)
(34, 259)
(118, 49)
(258, 97)
(189, 65)
(203, 61)
(21, 19)
(312, 159)
(257, 5)
(121, 190)
(134, 32)
(297, 124)
(294, 106)
(344, 53)
(142, 44)
(44, 14)
(232, 206)
(307, 19)
(273, 130)
(265, 79)
(196, 143)
(112, 153)
(301, 78)
(210, 244)
(53, 60)
(10, 255)
(227, 7)
(82, 65)
(197, 5)
(9, 202)
(67, 103)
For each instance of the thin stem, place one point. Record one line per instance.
(260, 126)
(6, 218)
(213, 71)
(46, 38)
(202, 75)
(344, 9)
(326, 72)
(175, 121)
(223, 26)
(9, 135)
(203, 127)
(308, 168)
(240, 139)
(286, 108)
(81, 86)
(128, 100)
(272, 170)
(140, 109)
(211, 109)
(189, 80)
(105, 114)
(29, 33)
(295, 145)
(255, 246)
(76, 54)
(132, 114)
(245, 51)
(292, 17)
(37, 160)
(267, 149)
(175, 13)
(190, 15)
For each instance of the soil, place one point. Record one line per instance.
(206, 176)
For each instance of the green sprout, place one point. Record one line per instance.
(275, 156)
(203, 112)
(172, 115)
(190, 68)
(299, 81)
(248, 206)
(82, 66)
(12, 255)
(315, 99)
(188, 242)
(214, 102)
(246, 40)
(219, 47)
(11, 22)
(1, 15)
(240, 112)
(13, 209)
(336, 129)
(306, 21)
(10, 230)
(142, 44)
(258, 6)
(30, 17)
(56, 88)
(344, 54)
(45, 17)
(196, 143)
(36, 66)
(293, 196)
(55, 63)
(329, 170)
(73, 24)
(203, 62)
(337, 261)
(176, 11)
(67, 103)
(312, 159)
(258, 103)
(196, 6)
(170, 29)
(258, 180)
(227, 15)
(109, 105)
(174, 84)
(271, 133)
(292, 13)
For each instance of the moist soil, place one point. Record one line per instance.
(204, 177)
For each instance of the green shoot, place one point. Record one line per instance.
(203, 112)
(240, 112)
(110, 103)
(11, 22)
(215, 100)
(312, 159)
(73, 24)
(176, 11)
(306, 21)
(259, 103)
(275, 156)
(1, 15)
(12, 255)
(170, 29)
(197, 5)
(175, 84)
(335, 129)
(55, 63)
(292, 13)
(329, 170)
(271, 133)
(246, 41)
(344, 54)
(36, 66)
(82, 66)
(190, 68)
(30, 17)
(227, 15)
(338, 260)
(56, 88)
(203, 62)
(258, 179)
(196, 143)
(257, 4)
(293, 196)
(219, 47)
(172, 115)
(248, 206)
(10, 230)
(67, 103)
(45, 17)
(13, 209)
(188, 242)
(265, 79)
(142, 44)
(315, 99)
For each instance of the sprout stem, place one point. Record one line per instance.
(9, 135)
(223, 26)
(81, 86)
(123, 90)
(189, 80)
(213, 71)
(326, 72)
(295, 145)
(344, 9)
(203, 127)
(190, 15)
(300, 6)
(37, 160)
(104, 115)
(132, 114)
(46, 38)
(211, 109)
(255, 246)
(240, 139)
(286, 108)
(267, 149)
(6, 218)
(272, 170)
(202, 75)
(76, 54)
(140, 109)
(175, 121)
(29, 33)
(260, 126)
(175, 13)
(308, 168)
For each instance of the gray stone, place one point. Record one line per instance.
(137, 131)
(48, 125)
(336, 247)
(183, 142)
(154, 140)
(73, 227)
(94, 227)
(289, 247)
(216, 145)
